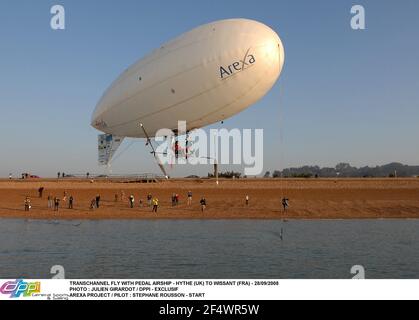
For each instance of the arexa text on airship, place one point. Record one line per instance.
(237, 66)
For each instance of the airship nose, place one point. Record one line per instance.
(281, 52)
(274, 52)
(276, 49)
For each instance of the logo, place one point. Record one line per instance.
(19, 288)
(237, 66)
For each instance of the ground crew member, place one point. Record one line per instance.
(131, 201)
(285, 203)
(27, 204)
(203, 203)
(189, 198)
(155, 204)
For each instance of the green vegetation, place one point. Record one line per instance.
(391, 170)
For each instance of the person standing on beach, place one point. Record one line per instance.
(70, 202)
(155, 205)
(247, 200)
(203, 203)
(27, 204)
(131, 201)
(173, 199)
(50, 202)
(10, 176)
(40, 191)
(56, 203)
(97, 201)
(285, 203)
(149, 199)
(58, 175)
(189, 198)
(93, 204)
(65, 196)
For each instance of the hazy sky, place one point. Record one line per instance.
(344, 95)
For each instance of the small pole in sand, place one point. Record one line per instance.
(216, 172)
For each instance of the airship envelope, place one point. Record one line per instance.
(204, 76)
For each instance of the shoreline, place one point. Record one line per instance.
(310, 199)
(82, 219)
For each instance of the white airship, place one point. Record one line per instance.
(202, 77)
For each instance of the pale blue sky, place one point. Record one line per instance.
(344, 95)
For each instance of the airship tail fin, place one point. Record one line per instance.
(107, 147)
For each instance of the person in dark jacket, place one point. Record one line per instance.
(97, 201)
(203, 203)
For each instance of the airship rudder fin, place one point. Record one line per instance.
(108, 144)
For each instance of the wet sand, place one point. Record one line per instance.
(309, 199)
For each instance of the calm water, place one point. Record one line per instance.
(209, 249)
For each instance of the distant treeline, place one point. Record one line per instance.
(227, 174)
(346, 170)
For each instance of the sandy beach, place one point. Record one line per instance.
(309, 199)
